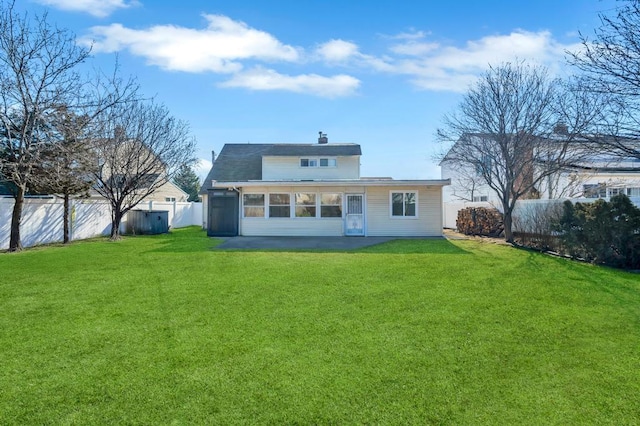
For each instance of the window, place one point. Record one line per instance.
(477, 198)
(594, 190)
(279, 205)
(403, 204)
(170, 199)
(331, 205)
(318, 162)
(484, 165)
(615, 191)
(327, 162)
(253, 205)
(305, 205)
(633, 192)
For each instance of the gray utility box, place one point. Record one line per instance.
(147, 222)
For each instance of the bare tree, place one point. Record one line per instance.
(506, 129)
(610, 61)
(37, 63)
(140, 147)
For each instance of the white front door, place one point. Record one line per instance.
(354, 219)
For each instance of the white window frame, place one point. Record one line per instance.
(404, 192)
(315, 162)
(341, 205)
(268, 203)
(264, 205)
(296, 205)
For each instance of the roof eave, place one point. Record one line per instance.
(338, 182)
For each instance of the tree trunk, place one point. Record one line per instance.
(508, 224)
(116, 219)
(65, 219)
(14, 241)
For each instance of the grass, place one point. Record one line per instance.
(165, 330)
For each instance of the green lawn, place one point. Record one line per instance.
(165, 330)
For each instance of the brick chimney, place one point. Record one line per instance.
(323, 138)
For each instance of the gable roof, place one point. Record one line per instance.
(243, 162)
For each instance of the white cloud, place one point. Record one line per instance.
(98, 8)
(202, 168)
(337, 51)
(434, 66)
(220, 47)
(414, 48)
(266, 79)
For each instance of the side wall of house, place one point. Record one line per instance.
(168, 190)
(428, 222)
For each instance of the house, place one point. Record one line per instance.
(313, 190)
(590, 175)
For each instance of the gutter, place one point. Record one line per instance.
(337, 182)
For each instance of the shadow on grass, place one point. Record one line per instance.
(183, 240)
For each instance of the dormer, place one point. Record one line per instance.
(311, 162)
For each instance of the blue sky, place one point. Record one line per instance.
(380, 73)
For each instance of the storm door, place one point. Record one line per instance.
(354, 219)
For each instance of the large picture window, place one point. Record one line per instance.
(331, 205)
(279, 205)
(403, 204)
(305, 205)
(253, 205)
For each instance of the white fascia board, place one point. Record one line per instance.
(345, 182)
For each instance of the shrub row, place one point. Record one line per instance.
(601, 232)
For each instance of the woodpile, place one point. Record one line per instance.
(480, 221)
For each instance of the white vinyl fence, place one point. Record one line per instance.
(42, 219)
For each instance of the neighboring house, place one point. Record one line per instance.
(313, 190)
(595, 176)
(168, 192)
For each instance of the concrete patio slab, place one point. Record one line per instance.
(300, 243)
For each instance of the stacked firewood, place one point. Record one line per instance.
(480, 221)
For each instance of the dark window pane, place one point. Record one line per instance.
(397, 203)
(279, 211)
(305, 211)
(331, 211)
(410, 204)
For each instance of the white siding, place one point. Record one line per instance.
(288, 168)
(295, 226)
(428, 222)
(378, 215)
(205, 210)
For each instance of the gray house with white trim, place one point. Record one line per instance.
(313, 190)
